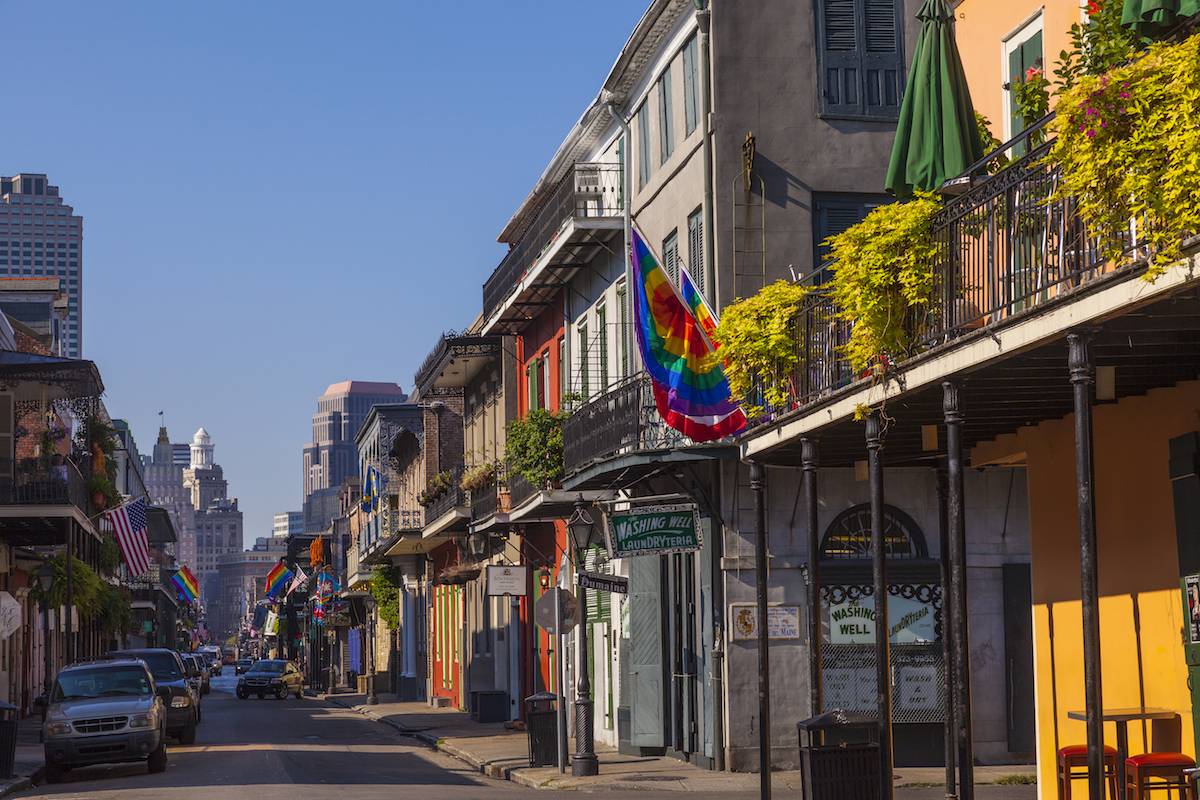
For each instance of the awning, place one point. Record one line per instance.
(1153, 18)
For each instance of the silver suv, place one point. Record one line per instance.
(105, 712)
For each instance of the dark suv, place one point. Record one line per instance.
(169, 672)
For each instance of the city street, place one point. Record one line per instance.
(267, 748)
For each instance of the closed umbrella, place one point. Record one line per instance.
(1152, 18)
(936, 137)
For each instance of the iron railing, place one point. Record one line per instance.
(519, 489)
(449, 345)
(587, 191)
(29, 482)
(450, 498)
(484, 500)
(623, 419)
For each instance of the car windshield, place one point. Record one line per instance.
(83, 684)
(273, 667)
(164, 666)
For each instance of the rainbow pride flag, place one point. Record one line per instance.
(186, 583)
(278, 579)
(701, 310)
(690, 388)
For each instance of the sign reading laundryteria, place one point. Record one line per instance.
(653, 530)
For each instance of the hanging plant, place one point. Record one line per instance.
(108, 557)
(758, 345)
(883, 279)
(385, 588)
(534, 447)
(478, 476)
(115, 611)
(1127, 143)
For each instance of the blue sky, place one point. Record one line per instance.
(278, 195)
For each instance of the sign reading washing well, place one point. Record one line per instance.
(653, 530)
(853, 621)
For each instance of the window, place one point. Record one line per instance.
(670, 255)
(642, 123)
(581, 339)
(623, 332)
(834, 213)
(564, 370)
(860, 58)
(1022, 52)
(691, 86)
(532, 384)
(602, 343)
(696, 248)
(666, 132)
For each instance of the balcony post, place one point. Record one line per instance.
(883, 672)
(956, 540)
(1079, 362)
(758, 487)
(808, 463)
(950, 748)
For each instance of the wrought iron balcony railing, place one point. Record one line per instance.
(519, 489)
(485, 501)
(623, 419)
(30, 483)
(450, 498)
(587, 191)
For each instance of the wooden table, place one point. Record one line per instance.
(1121, 717)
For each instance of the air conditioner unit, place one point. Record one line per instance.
(587, 180)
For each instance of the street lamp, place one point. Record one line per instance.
(372, 697)
(579, 526)
(45, 579)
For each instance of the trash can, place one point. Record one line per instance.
(8, 740)
(839, 756)
(541, 720)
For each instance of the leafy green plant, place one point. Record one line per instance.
(534, 447)
(1031, 96)
(758, 344)
(1127, 143)
(883, 278)
(1097, 45)
(385, 588)
(108, 557)
(115, 612)
(984, 127)
(478, 476)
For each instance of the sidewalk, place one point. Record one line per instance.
(504, 754)
(28, 768)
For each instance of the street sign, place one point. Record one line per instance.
(10, 615)
(604, 583)
(543, 611)
(506, 579)
(653, 530)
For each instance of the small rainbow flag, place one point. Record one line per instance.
(690, 388)
(186, 583)
(278, 579)
(701, 310)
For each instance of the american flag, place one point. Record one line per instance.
(129, 521)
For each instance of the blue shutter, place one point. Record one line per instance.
(860, 58)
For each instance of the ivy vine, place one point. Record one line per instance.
(534, 447)
(758, 345)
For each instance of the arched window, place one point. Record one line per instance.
(848, 537)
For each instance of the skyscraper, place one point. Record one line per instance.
(42, 236)
(331, 457)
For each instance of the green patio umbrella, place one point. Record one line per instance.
(1152, 18)
(936, 137)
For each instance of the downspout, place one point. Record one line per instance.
(703, 19)
(627, 203)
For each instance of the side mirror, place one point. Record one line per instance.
(164, 692)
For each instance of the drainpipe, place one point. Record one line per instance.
(704, 18)
(627, 202)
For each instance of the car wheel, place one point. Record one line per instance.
(54, 773)
(281, 692)
(188, 734)
(241, 695)
(261, 695)
(299, 692)
(158, 759)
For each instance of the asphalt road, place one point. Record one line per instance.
(265, 749)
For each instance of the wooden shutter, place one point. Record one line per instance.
(696, 249)
(860, 57)
(647, 699)
(835, 213)
(599, 604)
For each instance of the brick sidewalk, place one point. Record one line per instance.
(501, 753)
(29, 761)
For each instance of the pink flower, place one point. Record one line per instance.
(1033, 73)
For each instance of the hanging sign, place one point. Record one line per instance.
(10, 615)
(603, 583)
(506, 579)
(783, 622)
(853, 621)
(653, 530)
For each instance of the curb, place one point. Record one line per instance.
(20, 783)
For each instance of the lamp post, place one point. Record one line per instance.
(45, 578)
(372, 698)
(585, 763)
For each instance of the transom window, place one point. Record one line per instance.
(848, 537)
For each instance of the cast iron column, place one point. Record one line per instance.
(1079, 361)
(950, 745)
(808, 463)
(372, 698)
(68, 623)
(758, 487)
(47, 656)
(956, 538)
(584, 763)
(883, 671)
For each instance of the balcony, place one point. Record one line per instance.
(586, 201)
(446, 507)
(622, 420)
(455, 361)
(30, 483)
(485, 502)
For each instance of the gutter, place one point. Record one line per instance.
(704, 19)
(627, 203)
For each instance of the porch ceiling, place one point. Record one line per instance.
(627, 469)
(1154, 346)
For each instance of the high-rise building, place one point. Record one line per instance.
(181, 453)
(288, 523)
(164, 483)
(331, 456)
(42, 236)
(218, 520)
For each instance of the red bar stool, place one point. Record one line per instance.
(1073, 766)
(1156, 772)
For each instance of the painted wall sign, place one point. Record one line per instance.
(783, 622)
(506, 579)
(10, 615)
(604, 583)
(1192, 584)
(853, 621)
(653, 530)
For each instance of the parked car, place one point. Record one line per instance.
(211, 654)
(243, 664)
(202, 671)
(183, 712)
(271, 676)
(105, 712)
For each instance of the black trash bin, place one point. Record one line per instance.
(8, 740)
(541, 721)
(839, 756)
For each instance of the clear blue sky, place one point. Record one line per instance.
(281, 194)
